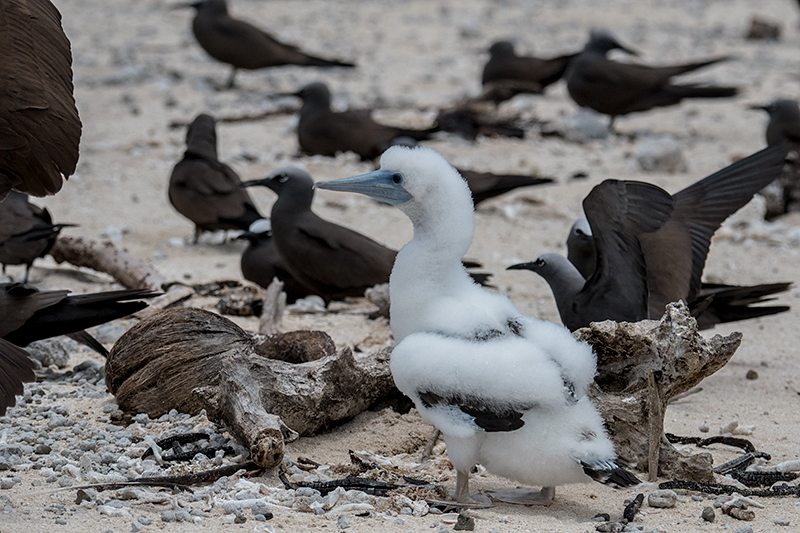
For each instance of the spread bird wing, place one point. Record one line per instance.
(19, 302)
(38, 118)
(16, 367)
(618, 212)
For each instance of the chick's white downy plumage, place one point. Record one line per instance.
(507, 391)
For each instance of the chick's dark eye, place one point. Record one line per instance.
(397, 179)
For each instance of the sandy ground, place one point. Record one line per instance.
(138, 69)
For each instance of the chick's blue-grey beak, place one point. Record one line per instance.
(383, 185)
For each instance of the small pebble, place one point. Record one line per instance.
(145, 521)
(610, 527)
(708, 514)
(662, 499)
(399, 521)
(744, 529)
(42, 449)
(781, 522)
(751, 374)
(60, 520)
(342, 522)
(704, 428)
(168, 516)
(7, 483)
(240, 519)
(136, 527)
(601, 517)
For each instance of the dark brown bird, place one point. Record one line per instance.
(784, 121)
(261, 262)
(614, 88)
(39, 124)
(28, 314)
(473, 117)
(485, 185)
(242, 45)
(332, 260)
(27, 232)
(675, 254)
(325, 132)
(205, 191)
(16, 368)
(507, 74)
(619, 213)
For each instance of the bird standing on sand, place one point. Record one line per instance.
(261, 262)
(27, 232)
(39, 122)
(507, 391)
(242, 45)
(322, 131)
(614, 88)
(205, 191)
(507, 74)
(670, 255)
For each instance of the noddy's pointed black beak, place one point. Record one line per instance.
(756, 107)
(522, 266)
(184, 5)
(264, 182)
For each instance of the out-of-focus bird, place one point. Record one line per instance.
(507, 391)
(28, 314)
(614, 88)
(485, 185)
(206, 191)
(784, 120)
(27, 232)
(39, 124)
(507, 74)
(242, 45)
(322, 131)
(261, 262)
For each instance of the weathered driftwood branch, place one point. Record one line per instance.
(190, 359)
(641, 366)
(272, 310)
(105, 257)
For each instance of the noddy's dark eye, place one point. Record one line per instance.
(539, 262)
(281, 178)
(579, 232)
(397, 179)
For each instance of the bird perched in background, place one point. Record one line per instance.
(261, 262)
(619, 213)
(507, 391)
(242, 45)
(205, 191)
(39, 123)
(783, 194)
(507, 74)
(28, 314)
(614, 88)
(27, 232)
(671, 258)
(323, 131)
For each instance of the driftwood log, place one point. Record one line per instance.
(640, 367)
(190, 359)
(105, 257)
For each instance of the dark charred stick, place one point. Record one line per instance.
(632, 508)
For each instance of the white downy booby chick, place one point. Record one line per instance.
(507, 391)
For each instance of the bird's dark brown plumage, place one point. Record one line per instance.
(322, 131)
(27, 231)
(675, 254)
(243, 45)
(16, 368)
(261, 263)
(205, 191)
(615, 88)
(485, 185)
(39, 124)
(332, 260)
(507, 74)
(28, 314)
